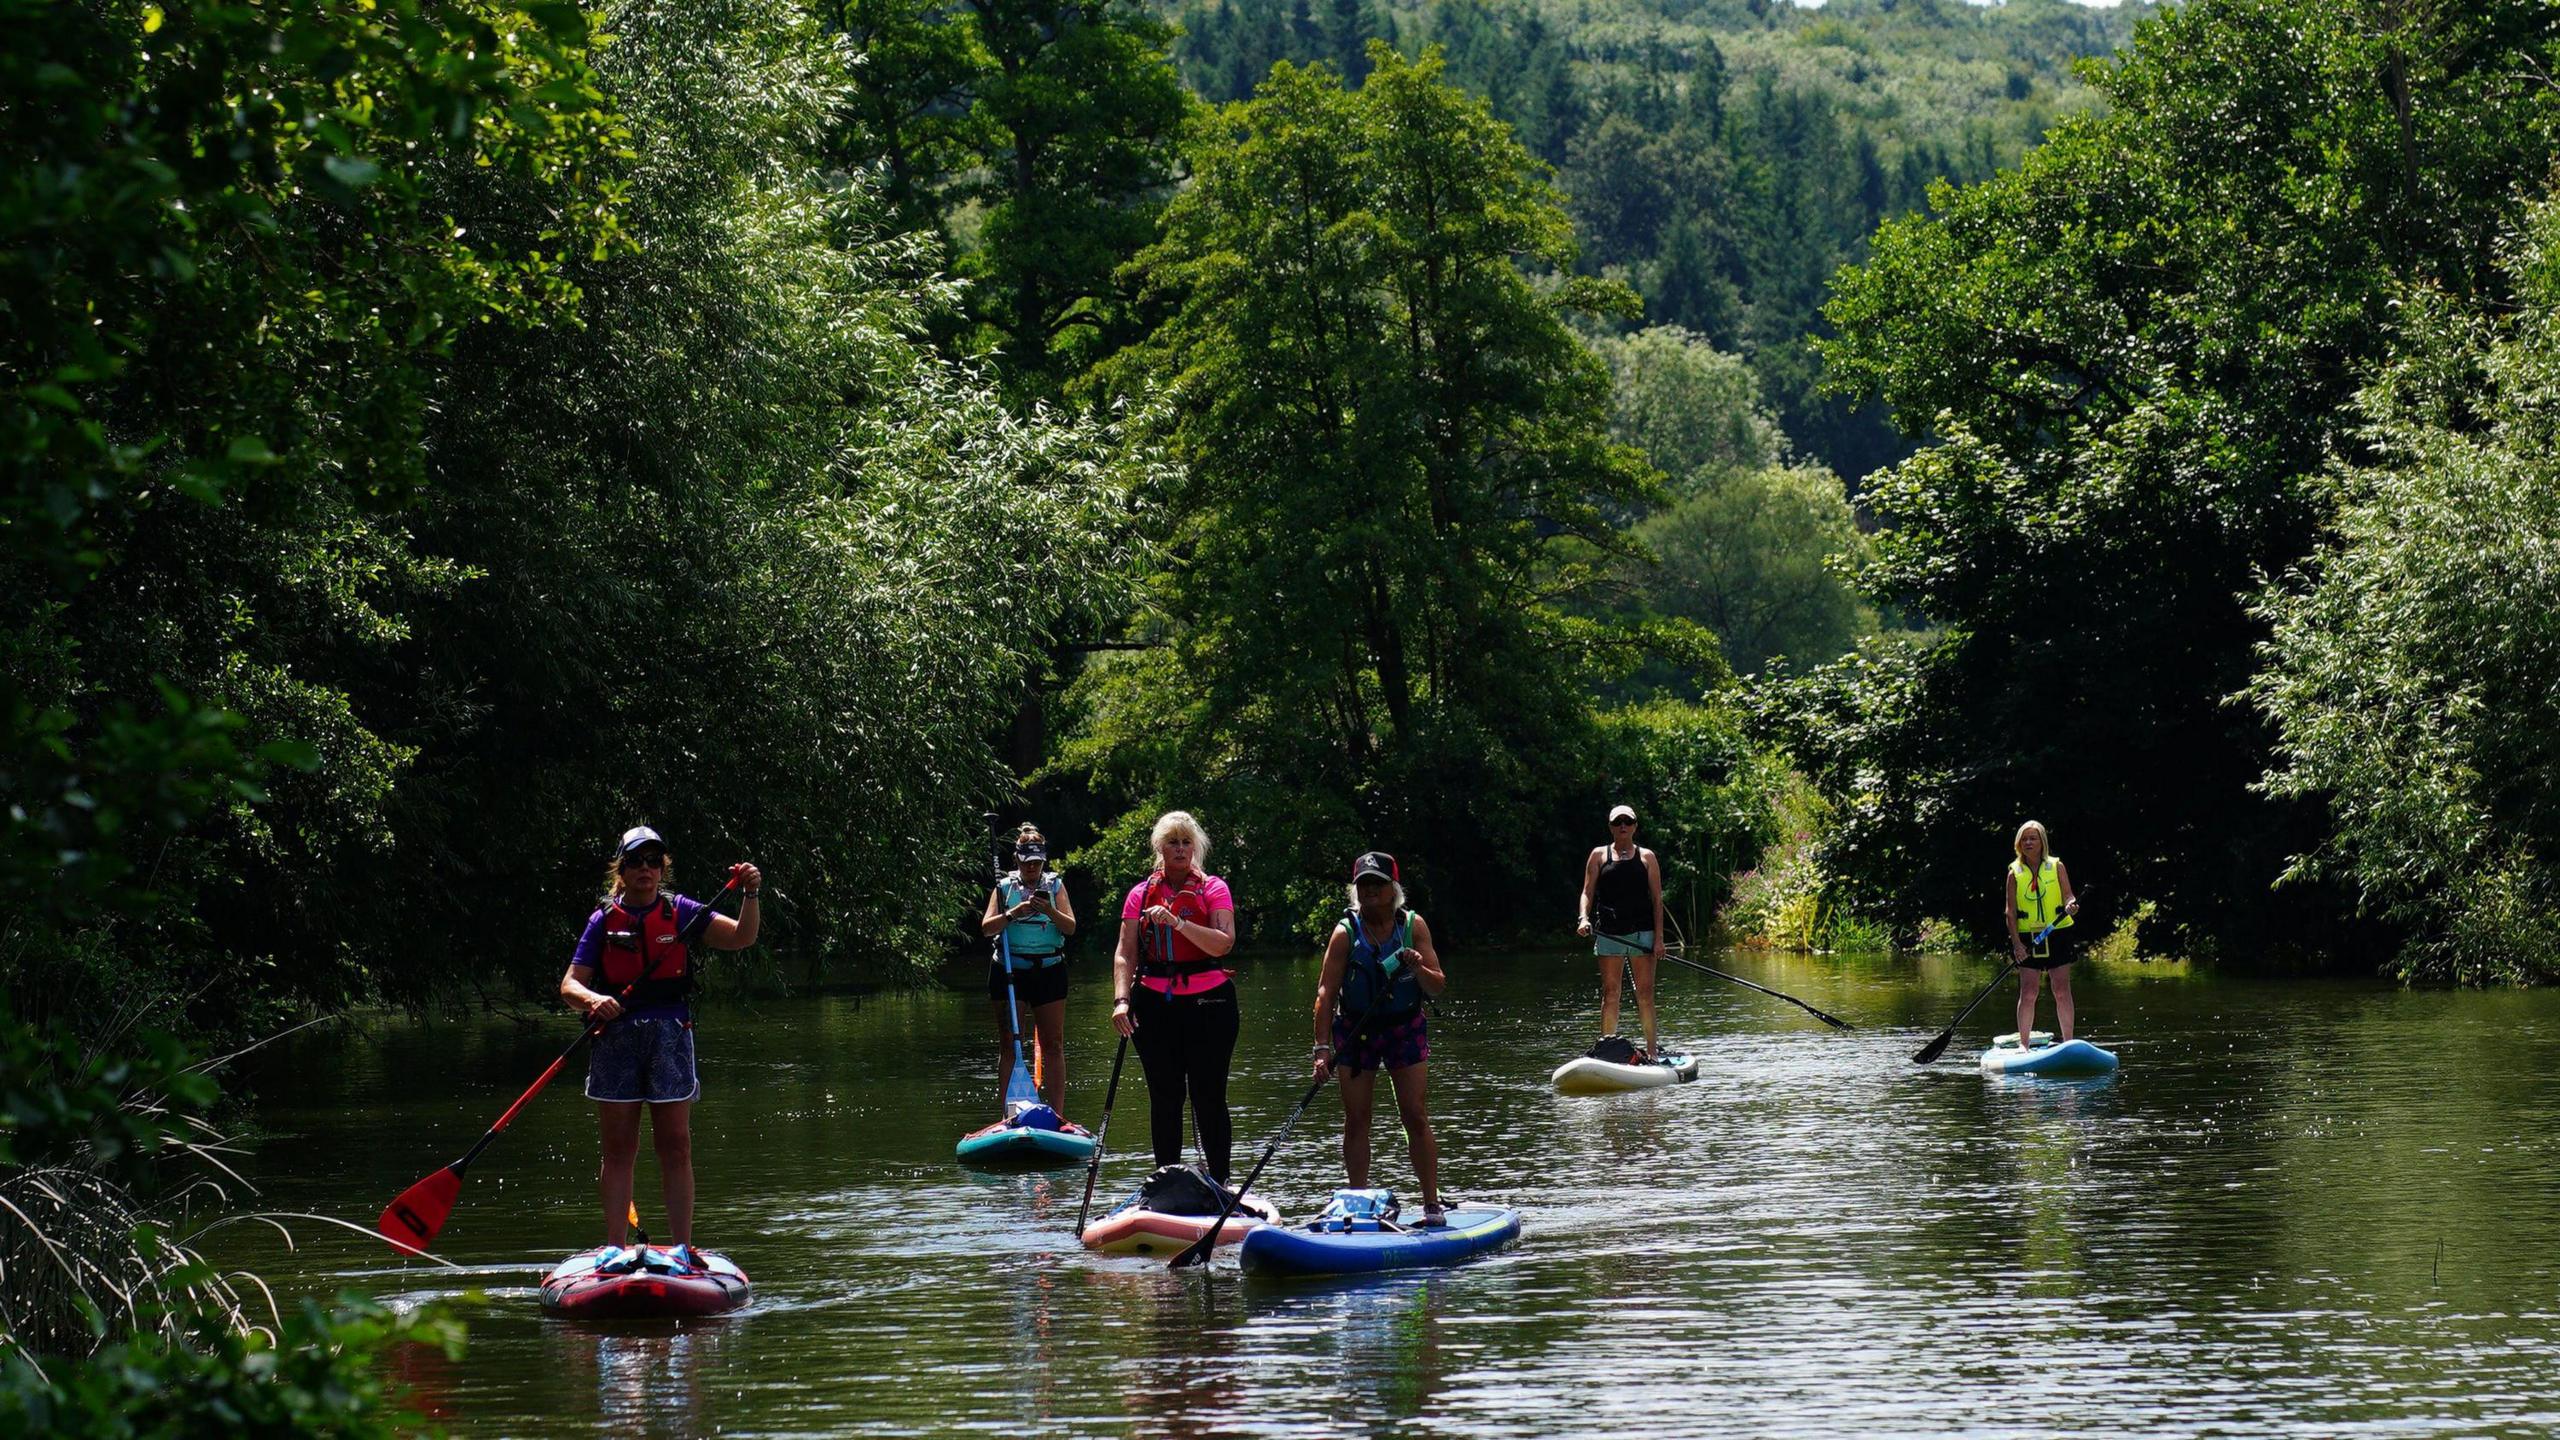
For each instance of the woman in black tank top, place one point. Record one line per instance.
(1622, 913)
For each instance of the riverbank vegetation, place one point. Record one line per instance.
(436, 437)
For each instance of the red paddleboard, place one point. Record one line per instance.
(657, 1289)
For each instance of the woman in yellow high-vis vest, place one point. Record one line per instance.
(2037, 892)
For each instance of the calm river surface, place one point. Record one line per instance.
(2302, 1208)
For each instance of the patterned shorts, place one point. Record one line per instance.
(637, 1059)
(1407, 1042)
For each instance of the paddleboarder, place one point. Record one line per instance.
(1379, 964)
(1173, 995)
(1622, 913)
(1030, 906)
(2037, 894)
(635, 946)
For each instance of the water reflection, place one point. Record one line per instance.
(2236, 1234)
(645, 1378)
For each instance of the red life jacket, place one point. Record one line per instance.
(646, 945)
(1187, 902)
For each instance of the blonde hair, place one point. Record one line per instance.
(1177, 822)
(2044, 842)
(1353, 890)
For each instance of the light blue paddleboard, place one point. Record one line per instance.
(2071, 1057)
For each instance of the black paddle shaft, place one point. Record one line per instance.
(1101, 1133)
(1207, 1245)
(701, 921)
(1937, 1047)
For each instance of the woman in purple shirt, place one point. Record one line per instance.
(633, 973)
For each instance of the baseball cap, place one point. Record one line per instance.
(1375, 862)
(637, 837)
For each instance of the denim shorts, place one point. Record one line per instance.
(637, 1059)
(1639, 942)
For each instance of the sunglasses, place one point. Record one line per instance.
(645, 860)
(1622, 822)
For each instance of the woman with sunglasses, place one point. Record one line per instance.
(1622, 912)
(1173, 995)
(1379, 966)
(1029, 907)
(632, 973)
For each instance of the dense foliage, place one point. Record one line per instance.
(1751, 547)
(512, 440)
(1724, 158)
(1044, 129)
(1386, 434)
(2409, 673)
(2139, 347)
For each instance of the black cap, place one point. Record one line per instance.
(1378, 863)
(637, 837)
(1029, 850)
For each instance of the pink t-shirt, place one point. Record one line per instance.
(1196, 900)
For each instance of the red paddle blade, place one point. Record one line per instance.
(414, 1218)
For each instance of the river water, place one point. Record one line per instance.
(2302, 1208)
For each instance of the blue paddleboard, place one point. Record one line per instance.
(1306, 1250)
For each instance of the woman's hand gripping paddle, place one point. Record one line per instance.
(411, 1222)
(1938, 1047)
(1207, 1245)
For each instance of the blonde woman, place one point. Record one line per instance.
(2037, 894)
(1173, 995)
(1029, 905)
(638, 948)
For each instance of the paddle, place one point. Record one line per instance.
(1021, 1091)
(1111, 1096)
(1207, 1245)
(1832, 1020)
(1938, 1047)
(1093, 1166)
(411, 1222)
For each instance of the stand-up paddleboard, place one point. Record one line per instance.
(655, 1289)
(2072, 1057)
(1360, 1232)
(1589, 1075)
(1010, 1145)
(1171, 1211)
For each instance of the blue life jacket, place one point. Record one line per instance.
(1366, 990)
(1033, 940)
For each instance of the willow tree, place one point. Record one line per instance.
(1387, 435)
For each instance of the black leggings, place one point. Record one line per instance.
(1184, 1046)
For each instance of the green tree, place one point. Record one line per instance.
(228, 283)
(1045, 133)
(2409, 669)
(2137, 348)
(1385, 431)
(742, 547)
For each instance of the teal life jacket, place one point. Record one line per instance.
(1034, 940)
(1366, 990)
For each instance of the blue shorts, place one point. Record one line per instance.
(636, 1059)
(1638, 942)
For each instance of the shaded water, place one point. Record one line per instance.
(2302, 1208)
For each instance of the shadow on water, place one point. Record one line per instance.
(2302, 1208)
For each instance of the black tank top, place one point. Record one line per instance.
(1622, 900)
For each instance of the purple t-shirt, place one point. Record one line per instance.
(590, 953)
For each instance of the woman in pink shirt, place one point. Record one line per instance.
(1173, 996)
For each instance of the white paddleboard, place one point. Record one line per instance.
(1584, 1075)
